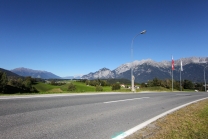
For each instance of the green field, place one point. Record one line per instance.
(46, 88)
(80, 87)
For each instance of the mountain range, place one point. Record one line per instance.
(35, 73)
(143, 70)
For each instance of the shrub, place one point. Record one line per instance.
(71, 87)
(116, 86)
(99, 88)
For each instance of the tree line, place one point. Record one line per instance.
(13, 85)
(167, 83)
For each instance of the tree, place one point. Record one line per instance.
(156, 82)
(19, 83)
(176, 85)
(3, 81)
(166, 83)
(188, 84)
(27, 84)
(103, 83)
(199, 86)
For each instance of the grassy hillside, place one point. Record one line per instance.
(80, 87)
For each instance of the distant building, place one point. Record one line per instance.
(122, 85)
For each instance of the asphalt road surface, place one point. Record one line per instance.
(98, 116)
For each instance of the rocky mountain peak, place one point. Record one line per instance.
(148, 69)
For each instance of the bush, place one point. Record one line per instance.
(71, 87)
(99, 88)
(116, 86)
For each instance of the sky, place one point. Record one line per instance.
(76, 37)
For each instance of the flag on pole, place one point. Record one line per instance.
(172, 63)
(181, 66)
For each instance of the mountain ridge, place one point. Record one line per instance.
(9, 73)
(34, 73)
(147, 69)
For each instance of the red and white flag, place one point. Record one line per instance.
(172, 63)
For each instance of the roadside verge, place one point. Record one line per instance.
(144, 124)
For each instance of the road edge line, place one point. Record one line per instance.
(144, 124)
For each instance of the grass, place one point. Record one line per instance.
(44, 88)
(190, 122)
(80, 88)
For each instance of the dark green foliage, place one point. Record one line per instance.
(156, 82)
(167, 83)
(176, 85)
(21, 85)
(97, 82)
(104, 83)
(99, 88)
(188, 84)
(116, 86)
(199, 86)
(143, 85)
(71, 87)
(3, 81)
(27, 84)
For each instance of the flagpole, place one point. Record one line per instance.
(172, 71)
(180, 80)
(180, 74)
(172, 80)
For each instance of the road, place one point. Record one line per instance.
(98, 116)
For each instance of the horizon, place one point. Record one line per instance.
(73, 37)
(181, 59)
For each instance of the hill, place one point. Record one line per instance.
(9, 73)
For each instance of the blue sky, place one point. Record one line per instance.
(72, 37)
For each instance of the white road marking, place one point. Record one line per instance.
(125, 100)
(39, 96)
(142, 125)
